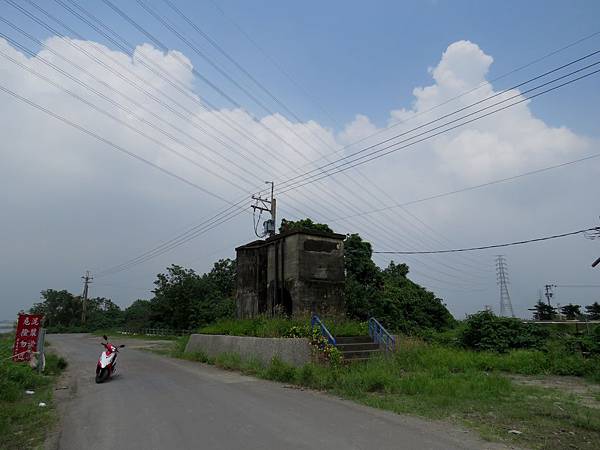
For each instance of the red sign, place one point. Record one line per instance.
(28, 328)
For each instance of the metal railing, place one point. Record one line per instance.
(155, 331)
(381, 336)
(315, 320)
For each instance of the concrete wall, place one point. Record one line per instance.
(294, 273)
(292, 351)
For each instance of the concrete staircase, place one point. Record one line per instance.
(356, 348)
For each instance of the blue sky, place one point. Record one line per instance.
(354, 58)
(359, 57)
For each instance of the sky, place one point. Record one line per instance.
(169, 127)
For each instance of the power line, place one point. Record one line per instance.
(108, 142)
(578, 285)
(392, 147)
(482, 84)
(471, 188)
(448, 251)
(195, 48)
(485, 247)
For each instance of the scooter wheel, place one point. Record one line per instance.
(101, 376)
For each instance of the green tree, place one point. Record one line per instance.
(103, 313)
(593, 311)
(543, 311)
(358, 263)
(223, 277)
(304, 224)
(60, 308)
(571, 311)
(486, 331)
(185, 300)
(138, 315)
(410, 307)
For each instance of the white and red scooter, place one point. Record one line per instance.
(107, 363)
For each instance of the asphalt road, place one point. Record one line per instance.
(156, 402)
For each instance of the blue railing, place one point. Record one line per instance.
(380, 335)
(324, 331)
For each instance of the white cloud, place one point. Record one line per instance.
(74, 202)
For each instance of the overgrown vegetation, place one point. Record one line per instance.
(23, 423)
(282, 327)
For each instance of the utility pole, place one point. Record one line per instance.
(594, 234)
(265, 205)
(87, 279)
(502, 278)
(549, 294)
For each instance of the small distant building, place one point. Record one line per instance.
(293, 273)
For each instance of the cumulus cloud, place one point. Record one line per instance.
(74, 203)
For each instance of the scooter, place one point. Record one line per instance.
(107, 363)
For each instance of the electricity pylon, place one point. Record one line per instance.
(506, 308)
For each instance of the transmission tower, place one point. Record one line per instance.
(502, 277)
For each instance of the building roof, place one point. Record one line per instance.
(260, 242)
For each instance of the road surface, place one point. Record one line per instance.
(157, 402)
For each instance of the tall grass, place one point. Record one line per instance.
(282, 327)
(459, 385)
(22, 422)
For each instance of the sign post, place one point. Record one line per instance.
(26, 337)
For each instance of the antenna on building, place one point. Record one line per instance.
(502, 277)
(265, 205)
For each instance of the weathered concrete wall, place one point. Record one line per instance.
(294, 273)
(292, 351)
(251, 281)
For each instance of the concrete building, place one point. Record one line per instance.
(292, 273)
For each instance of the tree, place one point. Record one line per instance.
(593, 311)
(486, 331)
(103, 313)
(543, 311)
(185, 300)
(60, 308)
(410, 307)
(138, 315)
(396, 301)
(223, 277)
(358, 263)
(571, 311)
(304, 224)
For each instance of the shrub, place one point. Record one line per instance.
(280, 371)
(486, 331)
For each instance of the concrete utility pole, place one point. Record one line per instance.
(87, 279)
(266, 205)
(502, 278)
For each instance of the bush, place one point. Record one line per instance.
(282, 327)
(280, 371)
(486, 331)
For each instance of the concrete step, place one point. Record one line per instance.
(353, 340)
(356, 346)
(362, 354)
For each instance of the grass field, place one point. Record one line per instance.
(23, 424)
(269, 327)
(468, 388)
